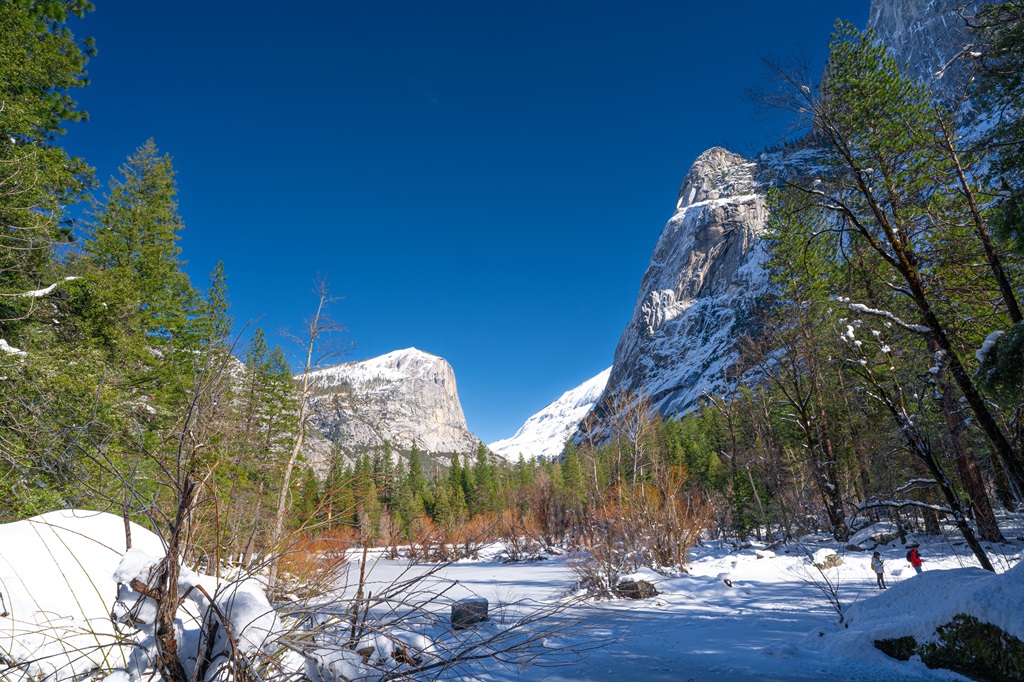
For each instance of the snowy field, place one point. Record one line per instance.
(775, 622)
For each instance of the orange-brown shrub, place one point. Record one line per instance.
(313, 562)
(651, 525)
(434, 543)
(519, 533)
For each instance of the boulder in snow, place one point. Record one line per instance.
(469, 612)
(825, 559)
(872, 536)
(636, 589)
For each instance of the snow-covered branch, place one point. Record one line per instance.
(914, 484)
(861, 308)
(39, 293)
(900, 504)
(9, 349)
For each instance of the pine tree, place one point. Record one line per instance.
(998, 30)
(454, 484)
(134, 236)
(417, 482)
(485, 483)
(41, 61)
(384, 474)
(896, 187)
(212, 322)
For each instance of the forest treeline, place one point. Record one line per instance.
(884, 381)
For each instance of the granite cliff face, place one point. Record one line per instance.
(703, 283)
(707, 276)
(923, 34)
(405, 397)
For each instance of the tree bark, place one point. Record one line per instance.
(981, 229)
(967, 467)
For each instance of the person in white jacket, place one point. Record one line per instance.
(878, 566)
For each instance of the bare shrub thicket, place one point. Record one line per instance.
(519, 534)
(434, 543)
(652, 526)
(310, 564)
(400, 629)
(554, 515)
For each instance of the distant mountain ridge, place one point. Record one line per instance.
(406, 397)
(701, 292)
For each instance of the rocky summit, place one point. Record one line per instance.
(406, 397)
(707, 276)
(701, 289)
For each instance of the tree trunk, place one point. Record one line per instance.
(995, 265)
(967, 467)
(899, 253)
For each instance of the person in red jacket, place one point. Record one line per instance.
(914, 557)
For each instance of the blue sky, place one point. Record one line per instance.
(484, 181)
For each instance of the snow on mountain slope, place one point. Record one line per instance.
(707, 276)
(545, 433)
(924, 35)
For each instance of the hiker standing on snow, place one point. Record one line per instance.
(914, 557)
(878, 566)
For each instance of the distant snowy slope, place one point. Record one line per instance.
(544, 434)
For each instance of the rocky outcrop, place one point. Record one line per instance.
(967, 645)
(707, 276)
(701, 289)
(406, 397)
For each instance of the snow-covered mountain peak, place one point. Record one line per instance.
(705, 276)
(398, 365)
(406, 397)
(715, 174)
(545, 433)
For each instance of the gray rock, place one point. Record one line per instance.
(872, 536)
(469, 612)
(636, 589)
(923, 35)
(824, 561)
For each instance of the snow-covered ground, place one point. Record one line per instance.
(774, 622)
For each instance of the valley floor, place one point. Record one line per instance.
(774, 623)
(739, 613)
